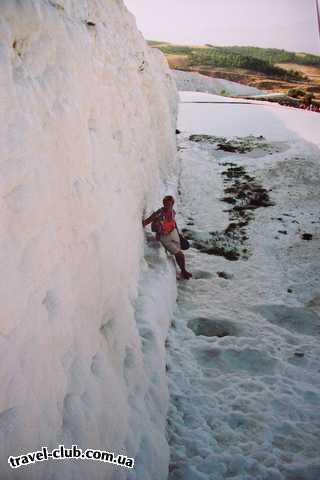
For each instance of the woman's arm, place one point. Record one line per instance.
(150, 219)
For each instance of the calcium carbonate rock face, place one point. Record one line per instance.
(195, 82)
(87, 138)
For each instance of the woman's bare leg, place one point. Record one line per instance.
(181, 261)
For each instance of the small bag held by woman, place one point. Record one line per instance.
(184, 242)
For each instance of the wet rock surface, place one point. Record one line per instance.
(243, 192)
(254, 361)
(211, 327)
(247, 404)
(294, 319)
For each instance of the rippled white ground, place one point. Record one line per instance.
(247, 406)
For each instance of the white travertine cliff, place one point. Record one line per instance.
(88, 115)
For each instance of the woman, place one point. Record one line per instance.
(164, 224)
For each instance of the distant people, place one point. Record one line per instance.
(164, 224)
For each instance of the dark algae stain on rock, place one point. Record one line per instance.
(215, 243)
(236, 144)
(243, 193)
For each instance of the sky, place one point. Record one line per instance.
(288, 24)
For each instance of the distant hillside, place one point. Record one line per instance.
(272, 55)
(256, 59)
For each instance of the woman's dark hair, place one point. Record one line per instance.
(168, 198)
